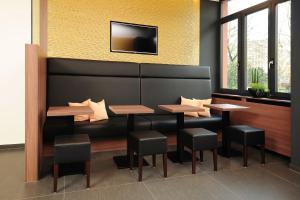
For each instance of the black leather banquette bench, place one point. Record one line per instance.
(72, 80)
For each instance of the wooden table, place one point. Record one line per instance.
(225, 109)
(180, 155)
(68, 113)
(129, 110)
(60, 111)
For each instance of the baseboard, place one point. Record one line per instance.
(12, 146)
(295, 167)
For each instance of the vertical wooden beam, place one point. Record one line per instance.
(35, 81)
(36, 75)
(31, 113)
(42, 73)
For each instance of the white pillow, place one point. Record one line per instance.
(201, 103)
(99, 111)
(189, 102)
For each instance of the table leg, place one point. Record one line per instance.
(123, 162)
(225, 123)
(130, 128)
(180, 125)
(180, 155)
(72, 123)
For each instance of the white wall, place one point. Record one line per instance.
(15, 31)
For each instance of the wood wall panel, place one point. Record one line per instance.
(31, 114)
(36, 75)
(275, 120)
(35, 109)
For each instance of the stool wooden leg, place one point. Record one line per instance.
(245, 153)
(55, 176)
(201, 156)
(131, 158)
(215, 157)
(165, 165)
(193, 161)
(154, 160)
(263, 156)
(88, 172)
(140, 168)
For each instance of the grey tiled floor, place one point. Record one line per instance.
(271, 181)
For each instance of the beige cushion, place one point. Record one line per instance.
(79, 118)
(189, 102)
(99, 111)
(201, 103)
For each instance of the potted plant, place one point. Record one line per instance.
(257, 89)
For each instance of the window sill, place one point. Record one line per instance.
(271, 101)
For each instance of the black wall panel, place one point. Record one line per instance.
(295, 161)
(210, 39)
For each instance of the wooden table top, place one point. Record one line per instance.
(130, 109)
(57, 111)
(177, 108)
(226, 107)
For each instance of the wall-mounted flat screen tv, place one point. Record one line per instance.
(133, 38)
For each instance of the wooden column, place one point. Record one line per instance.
(35, 109)
(36, 75)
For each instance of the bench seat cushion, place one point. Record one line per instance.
(113, 127)
(116, 126)
(167, 123)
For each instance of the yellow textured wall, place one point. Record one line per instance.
(81, 29)
(36, 21)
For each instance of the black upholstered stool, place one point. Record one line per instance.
(145, 143)
(246, 136)
(72, 149)
(199, 139)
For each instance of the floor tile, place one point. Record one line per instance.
(12, 185)
(256, 183)
(88, 194)
(282, 170)
(48, 197)
(189, 187)
(135, 191)
(132, 191)
(103, 173)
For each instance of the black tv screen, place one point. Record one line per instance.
(133, 38)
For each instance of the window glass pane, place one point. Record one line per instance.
(230, 55)
(233, 6)
(283, 47)
(257, 47)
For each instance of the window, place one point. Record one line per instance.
(283, 47)
(255, 39)
(233, 6)
(230, 55)
(257, 46)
